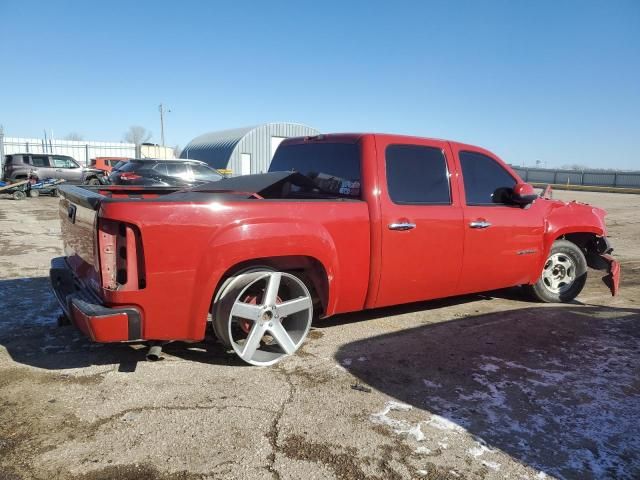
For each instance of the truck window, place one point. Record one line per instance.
(334, 168)
(483, 176)
(417, 175)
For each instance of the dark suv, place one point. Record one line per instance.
(164, 173)
(17, 166)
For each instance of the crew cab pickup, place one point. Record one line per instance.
(340, 223)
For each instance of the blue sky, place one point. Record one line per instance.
(555, 81)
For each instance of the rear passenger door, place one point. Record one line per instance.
(41, 167)
(421, 221)
(502, 241)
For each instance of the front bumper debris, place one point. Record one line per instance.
(612, 280)
(86, 311)
(599, 257)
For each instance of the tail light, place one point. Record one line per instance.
(120, 254)
(129, 176)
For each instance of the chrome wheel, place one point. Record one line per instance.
(559, 273)
(264, 316)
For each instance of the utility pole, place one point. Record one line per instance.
(163, 109)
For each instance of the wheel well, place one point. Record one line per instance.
(581, 239)
(309, 269)
(591, 245)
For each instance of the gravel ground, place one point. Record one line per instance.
(479, 387)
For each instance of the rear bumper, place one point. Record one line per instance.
(86, 311)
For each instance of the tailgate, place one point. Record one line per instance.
(78, 210)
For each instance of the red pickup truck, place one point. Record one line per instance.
(340, 223)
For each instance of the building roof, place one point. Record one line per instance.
(217, 148)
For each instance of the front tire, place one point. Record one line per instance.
(93, 181)
(563, 276)
(264, 315)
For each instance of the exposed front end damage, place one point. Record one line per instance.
(599, 258)
(585, 226)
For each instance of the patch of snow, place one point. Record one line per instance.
(443, 445)
(492, 465)
(430, 384)
(489, 367)
(400, 427)
(479, 449)
(442, 423)
(362, 359)
(346, 362)
(423, 451)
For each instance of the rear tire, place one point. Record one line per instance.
(93, 181)
(19, 195)
(263, 314)
(563, 276)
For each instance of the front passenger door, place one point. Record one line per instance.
(67, 169)
(502, 241)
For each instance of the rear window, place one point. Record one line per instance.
(333, 167)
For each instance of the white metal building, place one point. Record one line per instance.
(242, 151)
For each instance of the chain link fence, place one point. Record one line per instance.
(82, 151)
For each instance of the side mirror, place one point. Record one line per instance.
(523, 194)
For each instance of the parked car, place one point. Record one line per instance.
(107, 163)
(164, 173)
(340, 223)
(19, 166)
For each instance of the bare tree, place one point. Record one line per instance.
(75, 136)
(137, 135)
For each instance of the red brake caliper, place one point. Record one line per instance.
(251, 299)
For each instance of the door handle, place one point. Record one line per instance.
(402, 226)
(479, 224)
(58, 169)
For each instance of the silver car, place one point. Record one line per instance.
(17, 166)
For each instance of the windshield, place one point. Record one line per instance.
(334, 168)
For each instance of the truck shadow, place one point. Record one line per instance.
(31, 336)
(556, 388)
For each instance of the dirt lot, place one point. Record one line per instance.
(478, 387)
